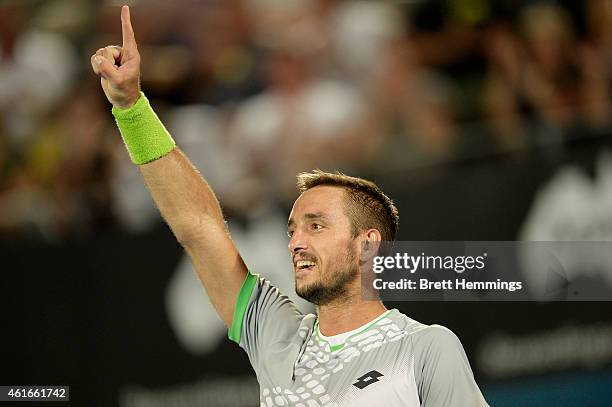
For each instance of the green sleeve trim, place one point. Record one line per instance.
(143, 133)
(235, 331)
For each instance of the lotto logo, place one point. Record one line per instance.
(367, 379)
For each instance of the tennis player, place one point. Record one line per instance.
(353, 352)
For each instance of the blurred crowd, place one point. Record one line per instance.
(255, 91)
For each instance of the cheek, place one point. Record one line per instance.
(337, 253)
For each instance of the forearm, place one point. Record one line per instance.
(183, 197)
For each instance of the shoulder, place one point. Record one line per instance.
(437, 350)
(435, 334)
(436, 339)
(426, 337)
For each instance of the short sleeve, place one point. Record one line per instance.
(264, 319)
(442, 370)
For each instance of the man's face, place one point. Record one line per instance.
(321, 244)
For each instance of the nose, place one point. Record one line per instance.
(297, 242)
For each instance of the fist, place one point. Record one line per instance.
(119, 67)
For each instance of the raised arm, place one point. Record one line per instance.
(183, 197)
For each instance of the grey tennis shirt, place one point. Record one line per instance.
(394, 361)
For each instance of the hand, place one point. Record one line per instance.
(119, 67)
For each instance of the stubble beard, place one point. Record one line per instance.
(334, 284)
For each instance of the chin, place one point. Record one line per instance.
(303, 287)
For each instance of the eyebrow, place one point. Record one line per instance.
(309, 216)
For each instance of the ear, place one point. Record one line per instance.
(370, 243)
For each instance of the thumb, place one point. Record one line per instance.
(107, 69)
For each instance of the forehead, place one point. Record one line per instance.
(324, 199)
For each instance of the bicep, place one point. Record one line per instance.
(220, 268)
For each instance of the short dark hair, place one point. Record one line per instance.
(367, 207)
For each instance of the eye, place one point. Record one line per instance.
(316, 226)
(290, 233)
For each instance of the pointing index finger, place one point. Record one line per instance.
(129, 41)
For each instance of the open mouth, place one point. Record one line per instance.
(303, 266)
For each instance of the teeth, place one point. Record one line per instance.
(304, 263)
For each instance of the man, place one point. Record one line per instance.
(355, 352)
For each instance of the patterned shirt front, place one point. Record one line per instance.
(393, 361)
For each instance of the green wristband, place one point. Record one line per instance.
(143, 133)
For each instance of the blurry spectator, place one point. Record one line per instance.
(551, 74)
(501, 110)
(5, 155)
(300, 122)
(501, 96)
(594, 98)
(36, 68)
(81, 189)
(361, 31)
(417, 108)
(224, 62)
(273, 18)
(599, 19)
(61, 187)
(25, 208)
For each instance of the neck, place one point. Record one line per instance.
(347, 314)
